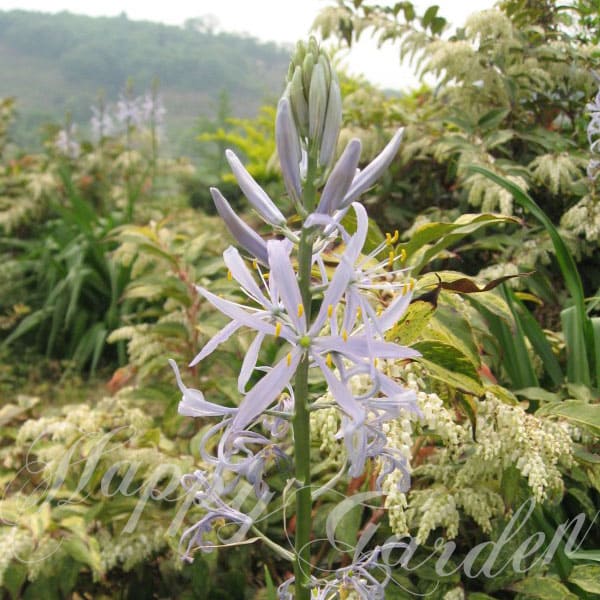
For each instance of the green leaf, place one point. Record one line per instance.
(565, 260)
(577, 358)
(587, 577)
(580, 413)
(493, 118)
(411, 327)
(585, 555)
(511, 479)
(87, 554)
(536, 336)
(447, 364)
(14, 577)
(374, 234)
(271, 591)
(538, 394)
(543, 588)
(420, 252)
(429, 15)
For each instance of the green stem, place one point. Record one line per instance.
(301, 421)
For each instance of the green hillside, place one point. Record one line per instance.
(58, 63)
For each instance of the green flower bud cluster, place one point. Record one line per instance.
(314, 94)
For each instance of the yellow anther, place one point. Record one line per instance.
(277, 329)
(359, 312)
(391, 259)
(392, 239)
(330, 310)
(289, 359)
(375, 362)
(411, 285)
(300, 310)
(344, 335)
(229, 275)
(379, 311)
(255, 264)
(329, 360)
(403, 255)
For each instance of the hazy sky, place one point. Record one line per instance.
(274, 20)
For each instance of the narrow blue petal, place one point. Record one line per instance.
(249, 362)
(287, 282)
(341, 394)
(255, 194)
(193, 403)
(245, 235)
(341, 178)
(394, 312)
(241, 273)
(237, 313)
(373, 171)
(266, 391)
(365, 347)
(222, 336)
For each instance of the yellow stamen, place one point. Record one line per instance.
(229, 275)
(379, 311)
(411, 285)
(255, 264)
(391, 258)
(359, 312)
(344, 335)
(277, 329)
(289, 359)
(329, 360)
(300, 310)
(403, 255)
(330, 310)
(375, 362)
(392, 239)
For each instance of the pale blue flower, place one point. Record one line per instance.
(356, 581)
(66, 143)
(218, 513)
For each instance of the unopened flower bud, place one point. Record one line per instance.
(314, 95)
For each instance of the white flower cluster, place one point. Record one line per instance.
(489, 196)
(509, 436)
(435, 508)
(583, 219)
(129, 550)
(324, 426)
(15, 544)
(463, 474)
(501, 270)
(456, 593)
(77, 424)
